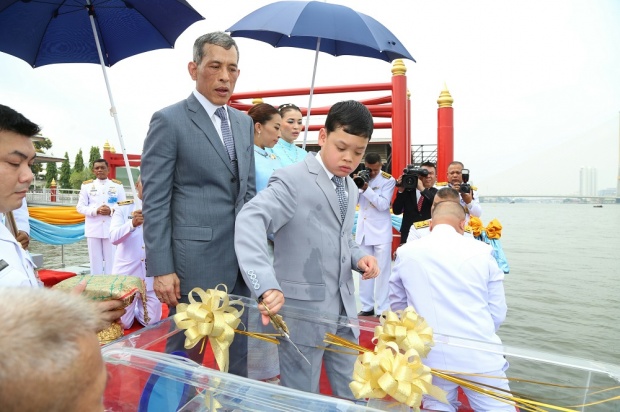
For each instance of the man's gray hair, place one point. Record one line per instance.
(40, 335)
(217, 38)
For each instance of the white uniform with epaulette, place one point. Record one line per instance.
(93, 194)
(374, 235)
(130, 259)
(423, 228)
(16, 266)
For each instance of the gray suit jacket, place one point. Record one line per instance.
(313, 252)
(191, 197)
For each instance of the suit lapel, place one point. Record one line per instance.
(200, 117)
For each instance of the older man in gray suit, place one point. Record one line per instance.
(197, 173)
(310, 206)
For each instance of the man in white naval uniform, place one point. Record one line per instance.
(16, 156)
(374, 234)
(455, 284)
(97, 202)
(126, 234)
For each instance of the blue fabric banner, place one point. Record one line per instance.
(55, 234)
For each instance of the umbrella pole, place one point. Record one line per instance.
(113, 108)
(316, 59)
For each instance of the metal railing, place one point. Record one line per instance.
(423, 153)
(43, 196)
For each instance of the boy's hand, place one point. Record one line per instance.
(273, 299)
(368, 264)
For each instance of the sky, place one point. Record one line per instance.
(535, 83)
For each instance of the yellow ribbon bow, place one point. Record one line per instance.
(213, 316)
(405, 328)
(494, 229)
(475, 224)
(388, 372)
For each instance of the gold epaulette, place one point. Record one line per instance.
(441, 184)
(124, 202)
(386, 175)
(422, 224)
(474, 188)
(118, 182)
(85, 182)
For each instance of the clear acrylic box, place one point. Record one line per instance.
(129, 355)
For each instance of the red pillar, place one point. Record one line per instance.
(401, 146)
(445, 134)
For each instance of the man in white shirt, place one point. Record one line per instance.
(97, 202)
(455, 284)
(130, 259)
(374, 233)
(469, 200)
(16, 156)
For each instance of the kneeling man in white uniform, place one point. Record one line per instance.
(455, 284)
(130, 259)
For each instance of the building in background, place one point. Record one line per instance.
(587, 181)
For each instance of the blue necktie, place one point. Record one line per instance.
(342, 197)
(228, 139)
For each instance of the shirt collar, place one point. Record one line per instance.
(320, 160)
(209, 107)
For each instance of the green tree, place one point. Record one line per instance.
(40, 146)
(51, 172)
(65, 173)
(94, 155)
(78, 165)
(77, 178)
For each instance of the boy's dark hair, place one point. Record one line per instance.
(352, 116)
(12, 121)
(372, 158)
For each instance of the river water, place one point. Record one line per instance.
(563, 290)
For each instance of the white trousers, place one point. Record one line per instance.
(478, 401)
(101, 254)
(377, 291)
(136, 310)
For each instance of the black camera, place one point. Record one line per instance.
(465, 187)
(362, 178)
(410, 176)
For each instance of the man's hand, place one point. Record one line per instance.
(399, 185)
(273, 299)
(167, 289)
(137, 218)
(23, 238)
(467, 197)
(104, 210)
(110, 311)
(368, 264)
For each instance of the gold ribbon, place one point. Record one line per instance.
(475, 225)
(494, 229)
(213, 316)
(388, 372)
(405, 328)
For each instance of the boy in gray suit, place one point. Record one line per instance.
(314, 252)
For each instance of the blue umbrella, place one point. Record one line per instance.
(330, 28)
(91, 31)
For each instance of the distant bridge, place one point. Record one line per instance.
(554, 198)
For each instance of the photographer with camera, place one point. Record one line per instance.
(415, 196)
(374, 231)
(458, 178)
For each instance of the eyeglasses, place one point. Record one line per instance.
(284, 107)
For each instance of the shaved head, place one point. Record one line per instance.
(449, 213)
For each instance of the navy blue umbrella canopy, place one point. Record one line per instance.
(320, 26)
(341, 30)
(60, 31)
(104, 32)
